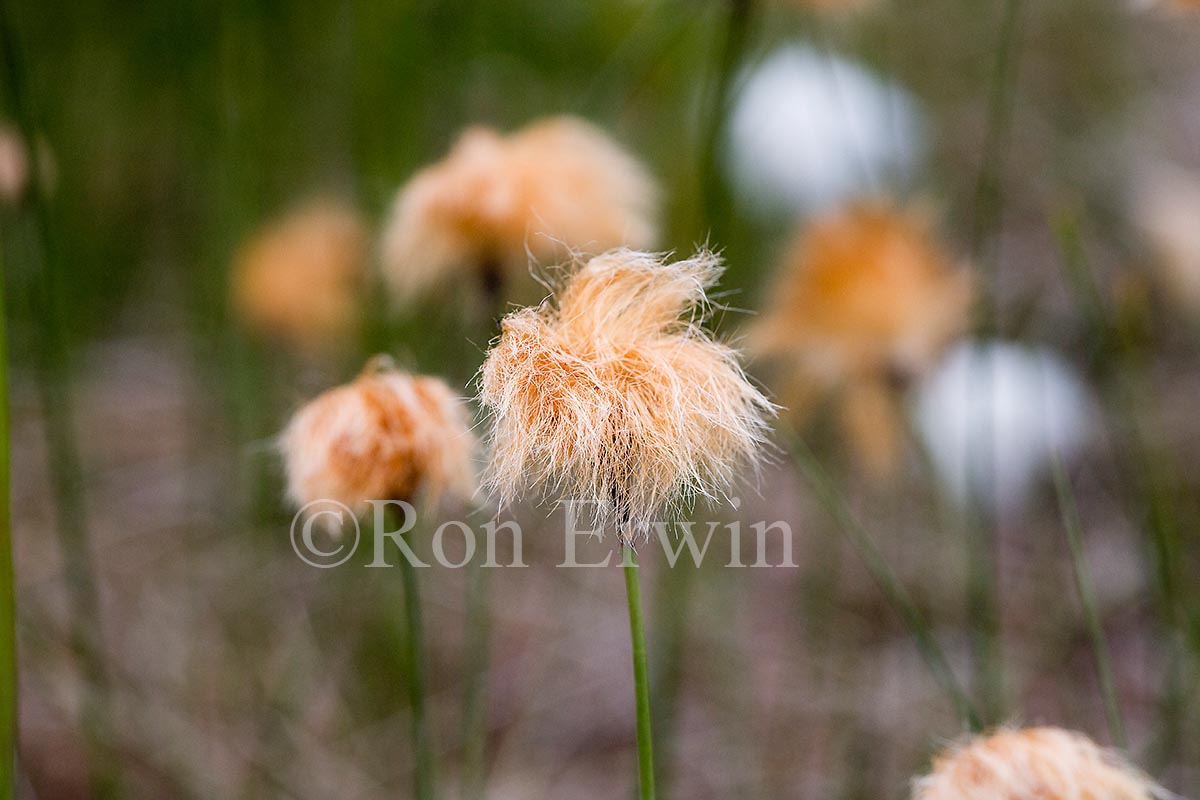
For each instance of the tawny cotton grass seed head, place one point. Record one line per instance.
(611, 393)
(864, 289)
(14, 166)
(299, 278)
(387, 435)
(1166, 207)
(865, 300)
(559, 185)
(1042, 763)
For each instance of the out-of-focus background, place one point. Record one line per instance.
(1055, 144)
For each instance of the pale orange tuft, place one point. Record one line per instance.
(1167, 207)
(14, 166)
(1033, 764)
(559, 185)
(300, 278)
(387, 435)
(866, 297)
(612, 394)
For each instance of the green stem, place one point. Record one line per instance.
(478, 616)
(1148, 471)
(8, 633)
(888, 582)
(641, 676)
(736, 34)
(985, 653)
(979, 535)
(989, 187)
(988, 683)
(670, 633)
(1087, 595)
(414, 655)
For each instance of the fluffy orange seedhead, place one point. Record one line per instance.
(1167, 207)
(555, 186)
(866, 298)
(299, 279)
(387, 435)
(612, 394)
(1033, 764)
(14, 166)
(865, 289)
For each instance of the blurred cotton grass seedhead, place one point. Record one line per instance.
(1166, 208)
(612, 393)
(865, 300)
(17, 163)
(810, 131)
(387, 435)
(300, 278)
(14, 166)
(556, 186)
(1046, 763)
(994, 414)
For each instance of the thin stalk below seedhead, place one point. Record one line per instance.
(983, 610)
(670, 634)
(641, 676)
(989, 203)
(886, 579)
(1087, 595)
(414, 657)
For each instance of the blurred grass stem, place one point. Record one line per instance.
(1149, 467)
(478, 587)
(52, 358)
(1147, 471)
(983, 599)
(835, 505)
(414, 657)
(736, 34)
(8, 633)
(989, 185)
(1087, 596)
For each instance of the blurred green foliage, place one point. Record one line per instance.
(178, 127)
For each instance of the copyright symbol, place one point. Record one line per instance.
(327, 520)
